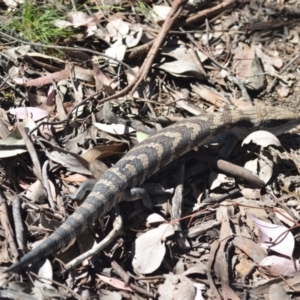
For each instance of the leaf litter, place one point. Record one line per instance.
(233, 235)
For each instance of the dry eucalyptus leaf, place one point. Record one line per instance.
(16, 52)
(182, 68)
(275, 237)
(262, 166)
(69, 162)
(36, 193)
(46, 292)
(62, 24)
(210, 95)
(46, 272)
(251, 193)
(117, 51)
(117, 28)
(217, 179)
(115, 283)
(17, 286)
(177, 287)
(277, 291)
(159, 12)
(83, 74)
(199, 268)
(150, 249)
(141, 136)
(109, 295)
(103, 151)
(262, 138)
(75, 178)
(34, 112)
(248, 69)
(12, 145)
(154, 218)
(283, 216)
(134, 37)
(281, 265)
(179, 53)
(48, 224)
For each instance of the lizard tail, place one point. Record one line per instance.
(83, 217)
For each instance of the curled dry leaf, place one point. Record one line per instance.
(36, 193)
(262, 166)
(217, 179)
(200, 268)
(103, 151)
(275, 237)
(200, 287)
(262, 138)
(150, 249)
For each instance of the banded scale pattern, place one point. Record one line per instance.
(151, 155)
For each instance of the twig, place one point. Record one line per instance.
(63, 286)
(7, 229)
(172, 16)
(125, 277)
(269, 90)
(47, 185)
(240, 84)
(117, 227)
(19, 228)
(68, 116)
(68, 49)
(5, 80)
(175, 11)
(208, 12)
(32, 153)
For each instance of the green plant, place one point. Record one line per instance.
(35, 23)
(143, 8)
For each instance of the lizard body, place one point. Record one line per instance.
(152, 154)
